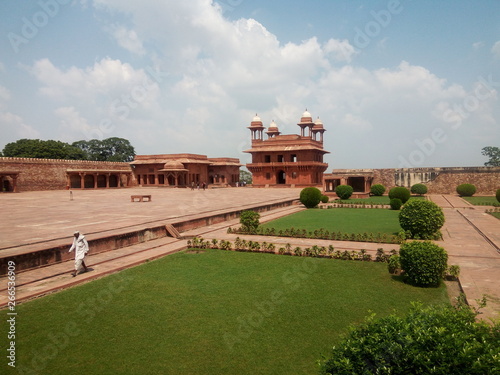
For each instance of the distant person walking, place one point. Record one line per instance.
(81, 247)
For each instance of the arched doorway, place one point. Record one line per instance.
(89, 181)
(101, 181)
(171, 180)
(75, 181)
(113, 181)
(281, 178)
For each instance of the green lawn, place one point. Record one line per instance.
(371, 200)
(482, 201)
(345, 220)
(215, 313)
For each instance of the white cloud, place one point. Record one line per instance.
(342, 50)
(221, 72)
(496, 50)
(128, 39)
(477, 45)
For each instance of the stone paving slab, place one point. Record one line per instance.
(479, 260)
(41, 216)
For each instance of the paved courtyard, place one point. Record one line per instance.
(31, 217)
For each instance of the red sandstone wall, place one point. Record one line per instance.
(50, 174)
(443, 180)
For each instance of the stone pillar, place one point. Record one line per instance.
(82, 180)
(107, 180)
(14, 183)
(95, 179)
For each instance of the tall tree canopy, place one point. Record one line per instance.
(110, 149)
(36, 148)
(494, 154)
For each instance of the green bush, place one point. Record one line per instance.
(324, 199)
(419, 189)
(249, 221)
(438, 340)
(401, 193)
(344, 191)
(423, 263)
(377, 190)
(422, 219)
(498, 195)
(394, 264)
(310, 197)
(466, 190)
(395, 204)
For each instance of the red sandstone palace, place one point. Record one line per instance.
(287, 160)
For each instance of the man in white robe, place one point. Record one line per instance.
(81, 247)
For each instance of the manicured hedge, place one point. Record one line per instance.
(344, 191)
(310, 197)
(423, 263)
(401, 193)
(422, 219)
(377, 190)
(466, 190)
(419, 189)
(438, 340)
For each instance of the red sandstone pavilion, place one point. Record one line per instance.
(287, 160)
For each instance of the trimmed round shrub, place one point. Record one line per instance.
(344, 191)
(377, 190)
(401, 193)
(498, 195)
(249, 221)
(437, 339)
(324, 199)
(419, 189)
(466, 190)
(310, 197)
(423, 263)
(396, 204)
(422, 219)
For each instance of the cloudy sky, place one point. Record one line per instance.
(396, 83)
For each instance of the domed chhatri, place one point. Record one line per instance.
(306, 117)
(173, 165)
(318, 124)
(273, 130)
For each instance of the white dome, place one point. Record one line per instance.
(273, 125)
(256, 118)
(318, 122)
(306, 114)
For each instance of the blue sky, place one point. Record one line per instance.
(396, 83)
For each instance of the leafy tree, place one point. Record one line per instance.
(438, 340)
(109, 149)
(245, 177)
(36, 148)
(494, 154)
